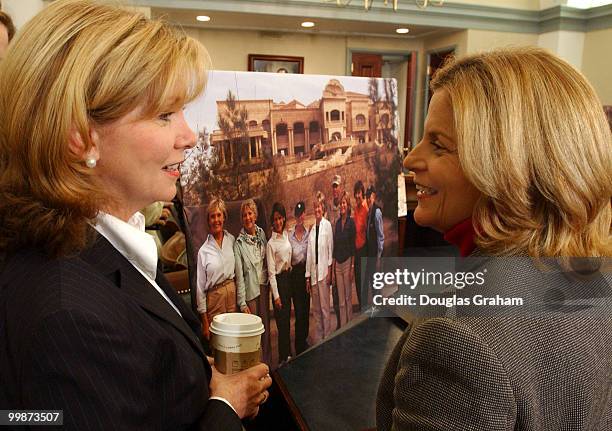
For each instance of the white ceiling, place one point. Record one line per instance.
(277, 23)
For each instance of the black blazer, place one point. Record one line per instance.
(89, 335)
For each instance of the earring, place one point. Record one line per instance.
(91, 162)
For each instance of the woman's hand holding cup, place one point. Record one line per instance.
(245, 390)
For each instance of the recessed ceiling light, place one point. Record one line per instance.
(308, 24)
(203, 18)
(402, 30)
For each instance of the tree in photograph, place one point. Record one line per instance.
(374, 96)
(390, 133)
(233, 123)
(196, 169)
(200, 178)
(385, 161)
(273, 188)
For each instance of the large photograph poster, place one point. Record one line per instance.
(291, 139)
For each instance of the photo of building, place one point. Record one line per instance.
(338, 120)
(252, 143)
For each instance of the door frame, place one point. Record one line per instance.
(406, 55)
(428, 55)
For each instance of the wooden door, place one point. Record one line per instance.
(369, 65)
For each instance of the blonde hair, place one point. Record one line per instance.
(77, 64)
(320, 200)
(533, 138)
(216, 204)
(250, 204)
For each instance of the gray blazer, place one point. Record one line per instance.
(547, 366)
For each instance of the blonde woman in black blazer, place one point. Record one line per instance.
(516, 160)
(92, 130)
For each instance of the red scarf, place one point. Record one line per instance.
(462, 235)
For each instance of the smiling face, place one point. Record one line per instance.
(318, 212)
(336, 192)
(343, 207)
(278, 221)
(248, 220)
(358, 198)
(371, 199)
(139, 159)
(216, 220)
(445, 197)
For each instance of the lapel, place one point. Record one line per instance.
(246, 254)
(186, 312)
(106, 259)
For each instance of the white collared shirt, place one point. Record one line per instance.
(137, 246)
(215, 265)
(278, 253)
(325, 247)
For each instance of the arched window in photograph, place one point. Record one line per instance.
(282, 138)
(253, 147)
(384, 120)
(335, 115)
(298, 128)
(299, 138)
(314, 133)
(360, 120)
(281, 129)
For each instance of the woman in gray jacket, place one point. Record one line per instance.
(252, 274)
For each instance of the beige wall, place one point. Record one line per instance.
(229, 49)
(597, 63)
(456, 39)
(384, 44)
(22, 10)
(568, 45)
(481, 40)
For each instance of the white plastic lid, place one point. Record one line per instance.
(237, 325)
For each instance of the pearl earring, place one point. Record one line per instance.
(91, 162)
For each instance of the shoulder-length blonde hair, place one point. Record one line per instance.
(75, 65)
(214, 205)
(533, 138)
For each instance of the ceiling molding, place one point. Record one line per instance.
(451, 15)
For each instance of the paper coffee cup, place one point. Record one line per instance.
(236, 341)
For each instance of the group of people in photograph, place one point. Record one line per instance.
(305, 265)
